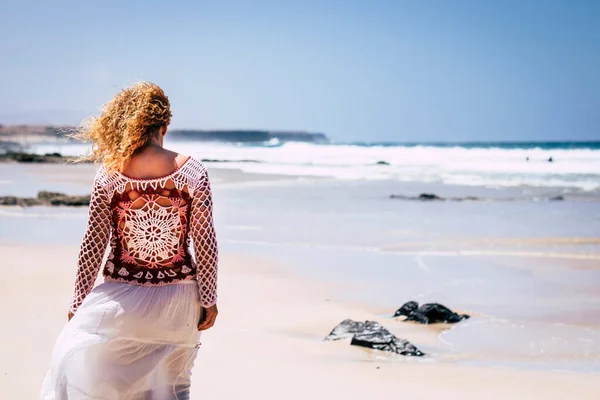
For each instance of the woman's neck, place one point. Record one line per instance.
(157, 141)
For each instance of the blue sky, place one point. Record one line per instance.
(356, 70)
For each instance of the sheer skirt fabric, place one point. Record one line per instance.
(128, 342)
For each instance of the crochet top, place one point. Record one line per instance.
(149, 224)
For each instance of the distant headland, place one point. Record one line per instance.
(248, 136)
(43, 133)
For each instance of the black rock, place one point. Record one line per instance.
(19, 201)
(45, 198)
(23, 157)
(433, 197)
(421, 197)
(9, 200)
(346, 329)
(61, 199)
(372, 335)
(431, 313)
(429, 197)
(382, 163)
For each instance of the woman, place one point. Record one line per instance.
(135, 336)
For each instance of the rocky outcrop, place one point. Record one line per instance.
(19, 201)
(247, 136)
(39, 133)
(433, 197)
(430, 313)
(23, 157)
(45, 198)
(372, 335)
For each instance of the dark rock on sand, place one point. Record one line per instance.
(346, 329)
(61, 199)
(382, 163)
(431, 313)
(33, 158)
(19, 201)
(421, 197)
(45, 198)
(429, 197)
(433, 197)
(372, 335)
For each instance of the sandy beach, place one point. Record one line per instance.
(281, 292)
(267, 342)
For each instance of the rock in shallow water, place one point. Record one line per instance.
(19, 201)
(45, 198)
(433, 197)
(33, 158)
(431, 313)
(61, 199)
(372, 335)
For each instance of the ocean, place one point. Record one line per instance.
(574, 166)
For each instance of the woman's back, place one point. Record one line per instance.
(150, 223)
(153, 162)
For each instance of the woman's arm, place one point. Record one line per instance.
(206, 252)
(94, 243)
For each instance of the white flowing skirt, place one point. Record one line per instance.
(127, 342)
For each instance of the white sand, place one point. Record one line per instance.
(266, 343)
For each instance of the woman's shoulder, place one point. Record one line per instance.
(188, 171)
(180, 159)
(185, 163)
(194, 168)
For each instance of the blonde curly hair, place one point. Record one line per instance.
(128, 123)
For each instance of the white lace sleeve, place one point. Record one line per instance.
(94, 243)
(202, 232)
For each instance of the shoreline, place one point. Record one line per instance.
(556, 169)
(223, 174)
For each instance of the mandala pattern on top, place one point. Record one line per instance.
(152, 232)
(150, 225)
